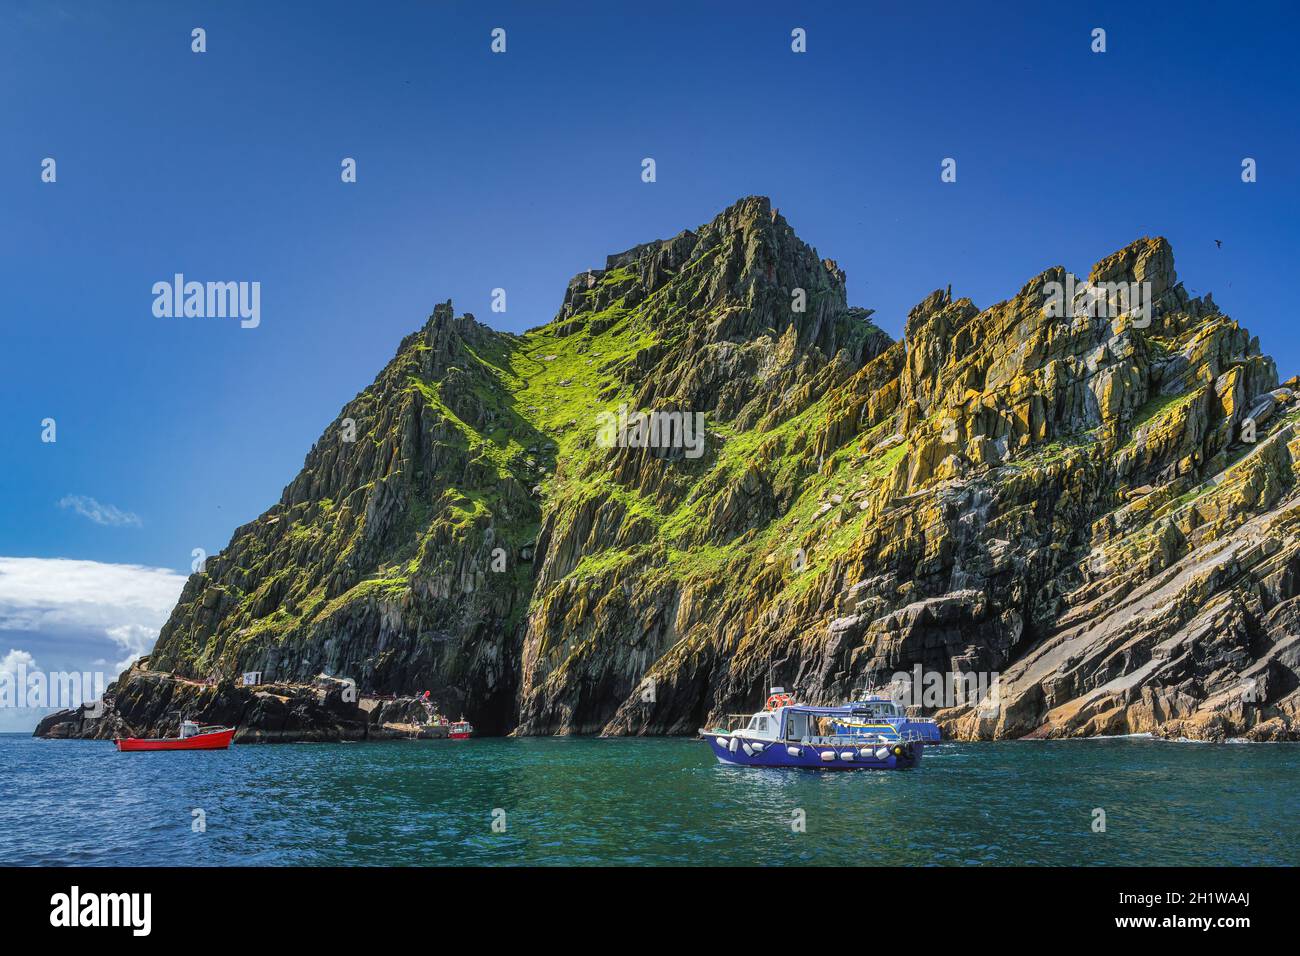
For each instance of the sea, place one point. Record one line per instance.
(646, 802)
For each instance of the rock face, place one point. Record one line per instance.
(147, 704)
(1093, 500)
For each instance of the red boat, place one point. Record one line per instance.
(193, 737)
(460, 730)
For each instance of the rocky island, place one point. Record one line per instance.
(1097, 505)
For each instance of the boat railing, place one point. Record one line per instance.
(869, 739)
(855, 740)
(909, 736)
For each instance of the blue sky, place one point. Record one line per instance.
(478, 171)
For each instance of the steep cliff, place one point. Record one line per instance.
(1094, 500)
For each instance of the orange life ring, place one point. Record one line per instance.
(779, 700)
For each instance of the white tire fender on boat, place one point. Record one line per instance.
(749, 751)
(847, 755)
(734, 743)
(882, 753)
(794, 751)
(828, 754)
(758, 748)
(722, 741)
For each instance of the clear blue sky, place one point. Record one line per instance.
(519, 170)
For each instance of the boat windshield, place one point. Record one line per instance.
(880, 708)
(762, 724)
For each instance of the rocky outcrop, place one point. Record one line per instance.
(144, 703)
(1087, 490)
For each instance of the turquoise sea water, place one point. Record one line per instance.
(650, 801)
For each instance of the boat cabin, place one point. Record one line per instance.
(877, 707)
(874, 718)
(763, 726)
(810, 724)
(834, 725)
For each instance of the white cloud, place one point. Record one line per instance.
(135, 639)
(12, 720)
(126, 604)
(15, 661)
(77, 616)
(110, 515)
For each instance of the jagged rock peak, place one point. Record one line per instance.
(443, 323)
(751, 217)
(1143, 260)
(747, 256)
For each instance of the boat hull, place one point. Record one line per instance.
(460, 735)
(801, 756)
(214, 741)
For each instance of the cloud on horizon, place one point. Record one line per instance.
(108, 515)
(68, 614)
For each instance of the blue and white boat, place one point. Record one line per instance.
(870, 734)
